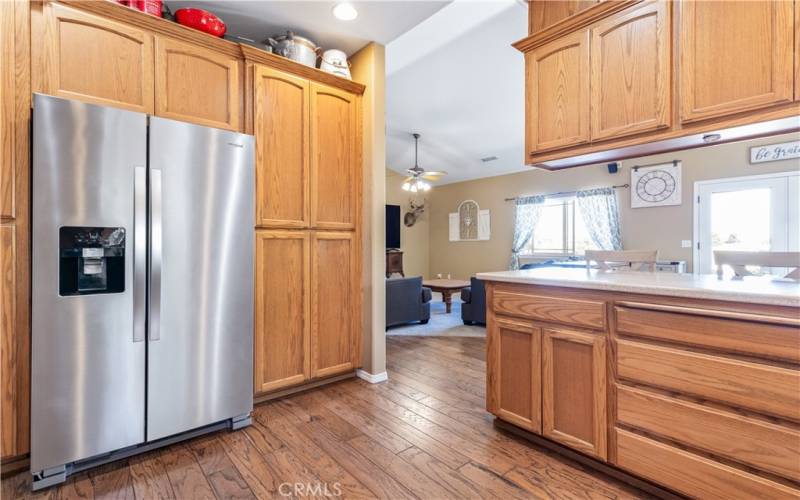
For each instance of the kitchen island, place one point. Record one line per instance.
(687, 381)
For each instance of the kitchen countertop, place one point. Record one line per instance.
(756, 290)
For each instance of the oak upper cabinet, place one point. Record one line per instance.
(574, 390)
(335, 154)
(198, 85)
(734, 56)
(335, 303)
(282, 304)
(796, 50)
(93, 59)
(557, 93)
(281, 126)
(631, 71)
(7, 102)
(545, 13)
(515, 383)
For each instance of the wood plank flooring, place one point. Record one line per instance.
(423, 434)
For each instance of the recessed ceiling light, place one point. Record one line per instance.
(345, 11)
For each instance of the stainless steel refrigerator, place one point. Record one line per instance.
(142, 283)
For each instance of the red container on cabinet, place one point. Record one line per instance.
(152, 7)
(200, 19)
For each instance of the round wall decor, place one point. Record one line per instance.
(656, 185)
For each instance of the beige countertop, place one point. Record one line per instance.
(757, 290)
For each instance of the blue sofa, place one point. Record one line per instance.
(407, 301)
(473, 310)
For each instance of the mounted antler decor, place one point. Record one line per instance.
(416, 210)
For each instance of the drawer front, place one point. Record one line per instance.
(758, 387)
(692, 474)
(585, 313)
(698, 327)
(763, 445)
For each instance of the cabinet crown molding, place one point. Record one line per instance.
(573, 23)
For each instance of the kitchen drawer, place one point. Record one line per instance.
(692, 474)
(759, 387)
(766, 446)
(577, 312)
(758, 335)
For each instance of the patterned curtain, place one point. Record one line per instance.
(601, 217)
(526, 214)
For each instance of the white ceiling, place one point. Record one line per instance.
(456, 80)
(378, 20)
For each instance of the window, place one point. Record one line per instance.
(560, 230)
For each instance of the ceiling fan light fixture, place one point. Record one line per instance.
(345, 11)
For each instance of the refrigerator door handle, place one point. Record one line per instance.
(139, 251)
(155, 254)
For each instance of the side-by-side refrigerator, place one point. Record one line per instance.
(142, 283)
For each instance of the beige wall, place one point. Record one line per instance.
(368, 67)
(660, 228)
(414, 240)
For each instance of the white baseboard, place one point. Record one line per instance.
(372, 378)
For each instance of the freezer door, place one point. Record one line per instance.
(88, 352)
(200, 338)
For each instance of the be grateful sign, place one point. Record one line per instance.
(774, 152)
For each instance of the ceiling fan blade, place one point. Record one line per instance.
(408, 179)
(434, 175)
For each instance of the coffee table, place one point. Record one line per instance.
(446, 288)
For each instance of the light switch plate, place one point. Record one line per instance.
(686, 243)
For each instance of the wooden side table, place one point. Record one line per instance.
(447, 288)
(394, 263)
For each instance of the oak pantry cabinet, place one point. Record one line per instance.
(308, 191)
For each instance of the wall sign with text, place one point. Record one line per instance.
(775, 152)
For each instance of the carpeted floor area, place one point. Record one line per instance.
(441, 323)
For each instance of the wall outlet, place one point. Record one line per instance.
(686, 243)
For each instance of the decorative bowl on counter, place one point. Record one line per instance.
(202, 20)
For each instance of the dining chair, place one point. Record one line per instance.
(739, 261)
(619, 260)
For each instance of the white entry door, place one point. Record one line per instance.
(757, 213)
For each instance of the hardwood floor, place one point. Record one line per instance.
(423, 434)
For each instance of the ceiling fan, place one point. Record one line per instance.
(417, 175)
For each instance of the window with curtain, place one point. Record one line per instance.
(571, 225)
(560, 231)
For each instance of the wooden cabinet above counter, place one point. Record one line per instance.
(620, 79)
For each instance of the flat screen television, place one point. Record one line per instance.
(392, 226)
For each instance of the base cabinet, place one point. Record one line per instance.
(574, 390)
(515, 392)
(282, 326)
(335, 303)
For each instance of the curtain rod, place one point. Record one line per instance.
(564, 193)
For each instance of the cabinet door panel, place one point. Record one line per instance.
(7, 64)
(574, 390)
(735, 56)
(334, 155)
(557, 93)
(282, 147)
(334, 303)
(631, 72)
(515, 373)
(92, 59)
(282, 327)
(8, 344)
(197, 85)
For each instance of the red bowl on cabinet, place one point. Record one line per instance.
(200, 19)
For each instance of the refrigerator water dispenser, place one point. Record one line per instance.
(92, 260)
